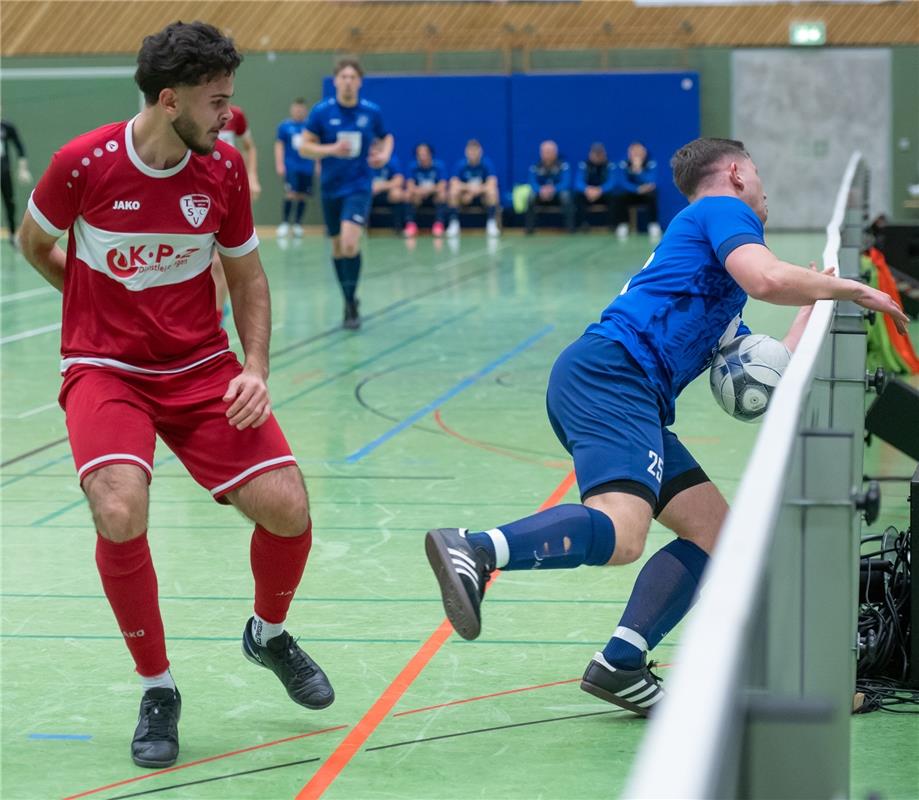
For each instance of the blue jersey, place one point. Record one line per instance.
(672, 315)
(359, 125)
(591, 174)
(290, 134)
(630, 180)
(390, 169)
(427, 176)
(478, 173)
(557, 174)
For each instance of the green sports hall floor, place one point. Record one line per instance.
(431, 415)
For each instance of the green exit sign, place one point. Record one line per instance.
(807, 34)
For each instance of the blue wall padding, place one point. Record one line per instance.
(511, 115)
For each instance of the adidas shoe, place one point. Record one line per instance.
(305, 682)
(156, 738)
(636, 690)
(453, 229)
(462, 574)
(352, 318)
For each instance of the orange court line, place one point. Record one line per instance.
(332, 767)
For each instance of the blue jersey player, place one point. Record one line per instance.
(425, 185)
(388, 189)
(292, 168)
(474, 181)
(348, 134)
(636, 187)
(610, 401)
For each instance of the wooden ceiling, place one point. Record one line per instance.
(35, 27)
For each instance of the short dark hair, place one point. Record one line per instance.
(347, 61)
(425, 144)
(694, 162)
(299, 101)
(183, 54)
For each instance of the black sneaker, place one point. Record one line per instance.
(462, 572)
(305, 682)
(352, 320)
(156, 738)
(636, 690)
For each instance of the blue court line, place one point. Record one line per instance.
(461, 386)
(376, 357)
(69, 737)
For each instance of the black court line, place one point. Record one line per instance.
(217, 778)
(21, 456)
(489, 730)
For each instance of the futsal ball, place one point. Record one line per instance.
(745, 373)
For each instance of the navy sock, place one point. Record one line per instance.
(409, 212)
(339, 264)
(288, 204)
(454, 214)
(299, 208)
(562, 537)
(351, 270)
(440, 212)
(492, 210)
(664, 591)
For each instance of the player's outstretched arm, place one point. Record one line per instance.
(42, 252)
(763, 276)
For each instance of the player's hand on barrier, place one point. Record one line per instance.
(250, 405)
(881, 301)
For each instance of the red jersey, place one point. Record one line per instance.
(138, 293)
(235, 128)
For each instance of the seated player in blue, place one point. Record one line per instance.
(594, 184)
(474, 181)
(348, 134)
(292, 168)
(388, 190)
(425, 185)
(610, 401)
(636, 186)
(550, 181)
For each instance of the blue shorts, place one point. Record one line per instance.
(298, 182)
(349, 208)
(609, 418)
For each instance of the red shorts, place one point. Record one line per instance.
(113, 417)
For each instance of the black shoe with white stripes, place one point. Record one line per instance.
(636, 690)
(462, 572)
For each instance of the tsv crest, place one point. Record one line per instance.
(195, 208)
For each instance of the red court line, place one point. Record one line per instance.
(331, 768)
(485, 697)
(438, 418)
(159, 772)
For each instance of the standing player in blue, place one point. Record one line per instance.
(292, 168)
(348, 134)
(474, 180)
(610, 401)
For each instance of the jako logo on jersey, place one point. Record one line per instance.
(133, 634)
(144, 258)
(195, 208)
(126, 205)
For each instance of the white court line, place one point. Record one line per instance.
(468, 257)
(12, 298)
(28, 334)
(31, 412)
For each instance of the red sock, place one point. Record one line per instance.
(129, 582)
(277, 564)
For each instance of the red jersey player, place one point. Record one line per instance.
(145, 202)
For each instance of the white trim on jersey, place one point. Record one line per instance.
(240, 250)
(141, 166)
(114, 457)
(111, 362)
(141, 261)
(246, 473)
(43, 222)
